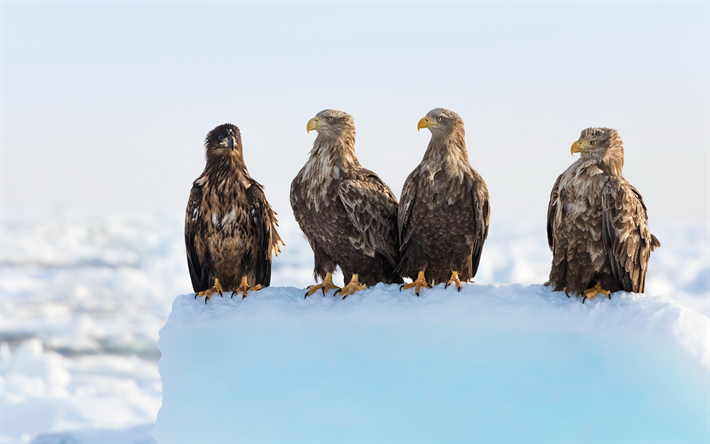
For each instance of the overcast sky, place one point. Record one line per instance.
(107, 104)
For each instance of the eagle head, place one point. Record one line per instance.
(441, 122)
(332, 124)
(601, 144)
(223, 140)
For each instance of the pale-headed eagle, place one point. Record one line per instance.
(597, 225)
(347, 212)
(230, 228)
(444, 209)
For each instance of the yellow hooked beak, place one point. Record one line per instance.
(580, 146)
(312, 124)
(425, 123)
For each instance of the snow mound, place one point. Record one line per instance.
(491, 363)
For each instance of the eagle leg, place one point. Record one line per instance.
(591, 293)
(353, 286)
(417, 285)
(216, 288)
(325, 286)
(244, 288)
(454, 280)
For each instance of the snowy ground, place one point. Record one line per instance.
(84, 296)
(493, 363)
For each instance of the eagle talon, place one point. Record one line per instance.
(244, 288)
(454, 280)
(216, 288)
(417, 284)
(353, 286)
(591, 293)
(326, 285)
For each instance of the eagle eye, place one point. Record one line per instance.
(439, 119)
(329, 119)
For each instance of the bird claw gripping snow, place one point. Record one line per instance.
(353, 286)
(244, 288)
(216, 288)
(454, 280)
(326, 285)
(591, 293)
(417, 284)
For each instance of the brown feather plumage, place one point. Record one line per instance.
(444, 210)
(597, 223)
(230, 228)
(348, 214)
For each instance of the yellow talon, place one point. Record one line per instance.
(244, 288)
(352, 287)
(417, 285)
(216, 288)
(325, 286)
(591, 293)
(454, 280)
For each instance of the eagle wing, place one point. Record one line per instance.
(481, 218)
(267, 239)
(404, 217)
(627, 239)
(551, 211)
(198, 272)
(372, 208)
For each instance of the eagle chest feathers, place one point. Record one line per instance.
(225, 213)
(319, 209)
(580, 195)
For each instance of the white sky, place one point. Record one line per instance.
(107, 104)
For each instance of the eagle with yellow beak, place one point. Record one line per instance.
(597, 224)
(444, 209)
(348, 214)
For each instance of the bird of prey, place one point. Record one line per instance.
(597, 225)
(230, 228)
(444, 209)
(348, 214)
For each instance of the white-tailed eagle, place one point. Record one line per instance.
(348, 214)
(597, 225)
(444, 209)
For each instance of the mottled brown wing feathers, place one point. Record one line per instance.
(268, 240)
(625, 233)
(198, 273)
(409, 195)
(372, 208)
(482, 218)
(551, 211)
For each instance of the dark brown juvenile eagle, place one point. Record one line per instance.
(444, 211)
(230, 228)
(597, 225)
(347, 212)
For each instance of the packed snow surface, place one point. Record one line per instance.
(491, 363)
(83, 295)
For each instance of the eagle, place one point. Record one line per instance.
(597, 223)
(444, 209)
(348, 214)
(230, 228)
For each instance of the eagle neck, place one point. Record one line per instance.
(226, 165)
(447, 147)
(611, 161)
(336, 151)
